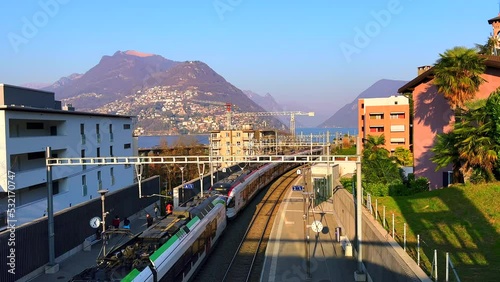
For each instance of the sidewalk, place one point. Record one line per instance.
(85, 259)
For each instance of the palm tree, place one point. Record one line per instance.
(490, 48)
(458, 75)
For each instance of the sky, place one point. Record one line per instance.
(317, 55)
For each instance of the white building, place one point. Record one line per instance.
(32, 120)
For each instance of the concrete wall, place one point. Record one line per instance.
(383, 258)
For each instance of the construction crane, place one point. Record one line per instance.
(229, 113)
(291, 114)
(217, 103)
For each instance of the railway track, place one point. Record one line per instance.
(247, 261)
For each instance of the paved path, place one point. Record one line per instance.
(286, 252)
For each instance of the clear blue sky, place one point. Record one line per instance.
(318, 53)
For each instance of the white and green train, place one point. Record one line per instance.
(170, 250)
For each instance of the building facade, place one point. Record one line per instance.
(32, 120)
(433, 115)
(388, 116)
(244, 142)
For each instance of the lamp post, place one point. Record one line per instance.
(103, 192)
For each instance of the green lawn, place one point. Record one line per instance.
(462, 220)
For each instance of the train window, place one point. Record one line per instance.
(231, 203)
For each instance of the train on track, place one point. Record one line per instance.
(241, 187)
(173, 248)
(170, 250)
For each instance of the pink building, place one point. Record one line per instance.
(432, 115)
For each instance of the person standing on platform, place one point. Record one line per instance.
(156, 210)
(126, 223)
(116, 222)
(169, 209)
(149, 219)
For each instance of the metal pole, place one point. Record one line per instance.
(447, 267)
(50, 210)
(376, 209)
(418, 249)
(103, 237)
(211, 165)
(404, 236)
(359, 195)
(436, 264)
(393, 235)
(308, 241)
(383, 217)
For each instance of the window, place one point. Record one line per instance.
(362, 106)
(126, 146)
(227, 134)
(82, 128)
(82, 155)
(376, 129)
(112, 175)
(98, 154)
(397, 141)
(362, 117)
(238, 143)
(397, 115)
(34, 125)
(126, 126)
(36, 155)
(99, 180)
(110, 128)
(84, 185)
(397, 128)
(111, 151)
(376, 116)
(238, 134)
(97, 128)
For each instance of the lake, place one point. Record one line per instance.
(154, 141)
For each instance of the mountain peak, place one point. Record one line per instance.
(137, 53)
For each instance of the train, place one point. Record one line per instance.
(173, 248)
(170, 250)
(241, 187)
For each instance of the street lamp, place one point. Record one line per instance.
(103, 192)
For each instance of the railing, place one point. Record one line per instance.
(415, 252)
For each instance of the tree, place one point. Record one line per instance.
(377, 165)
(489, 48)
(403, 157)
(458, 75)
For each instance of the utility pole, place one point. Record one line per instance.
(359, 274)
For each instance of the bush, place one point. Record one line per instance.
(377, 189)
(347, 182)
(418, 185)
(399, 189)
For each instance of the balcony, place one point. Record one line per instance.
(20, 145)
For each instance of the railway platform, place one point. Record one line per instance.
(288, 247)
(81, 260)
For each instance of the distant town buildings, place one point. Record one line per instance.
(388, 116)
(32, 120)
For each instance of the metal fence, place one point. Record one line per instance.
(71, 227)
(414, 250)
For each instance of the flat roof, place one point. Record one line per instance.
(25, 88)
(53, 111)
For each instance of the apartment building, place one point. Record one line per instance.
(389, 116)
(244, 142)
(32, 120)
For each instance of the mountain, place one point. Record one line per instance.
(347, 116)
(166, 96)
(267, 101)
(112, 78)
